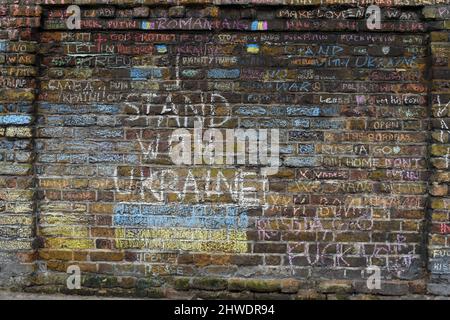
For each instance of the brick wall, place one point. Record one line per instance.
(362, 180)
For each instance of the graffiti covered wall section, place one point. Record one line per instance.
(139, 185)
(18, 72)
(440, 228)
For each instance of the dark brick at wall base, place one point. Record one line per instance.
(85, 125)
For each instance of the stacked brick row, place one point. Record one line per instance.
(438, 245)
(18, 71)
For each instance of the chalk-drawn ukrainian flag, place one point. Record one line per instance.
(196, 228)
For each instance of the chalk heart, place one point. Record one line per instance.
(386, 50)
